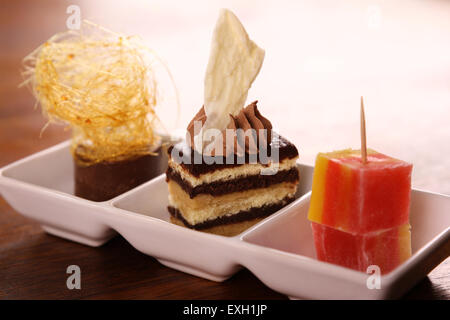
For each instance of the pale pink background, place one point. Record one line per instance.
(321, 56)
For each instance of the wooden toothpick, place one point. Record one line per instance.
(363, 134)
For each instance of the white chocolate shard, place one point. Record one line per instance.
(234, 63)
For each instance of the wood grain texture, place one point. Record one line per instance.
(32, 263)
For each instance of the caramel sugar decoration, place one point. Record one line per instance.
(100, 84)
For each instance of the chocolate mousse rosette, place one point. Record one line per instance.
(248, 132)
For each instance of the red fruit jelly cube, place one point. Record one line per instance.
(386, 248)
(358, 197)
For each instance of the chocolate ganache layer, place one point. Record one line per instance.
(197, 164)
(220, 187)
(246, 215)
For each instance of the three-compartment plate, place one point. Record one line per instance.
(279, 250)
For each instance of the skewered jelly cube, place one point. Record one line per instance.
(386, 248)
(358, 197)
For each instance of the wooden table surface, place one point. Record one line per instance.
(32, 263)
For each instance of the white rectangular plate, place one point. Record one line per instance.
(279, 250)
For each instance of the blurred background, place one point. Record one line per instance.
(321, 56)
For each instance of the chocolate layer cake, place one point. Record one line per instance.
(226, 198)
(233, 171)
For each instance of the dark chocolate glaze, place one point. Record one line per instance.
(187, 156)
(106, 180)
(241, 216)
(217, 188)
